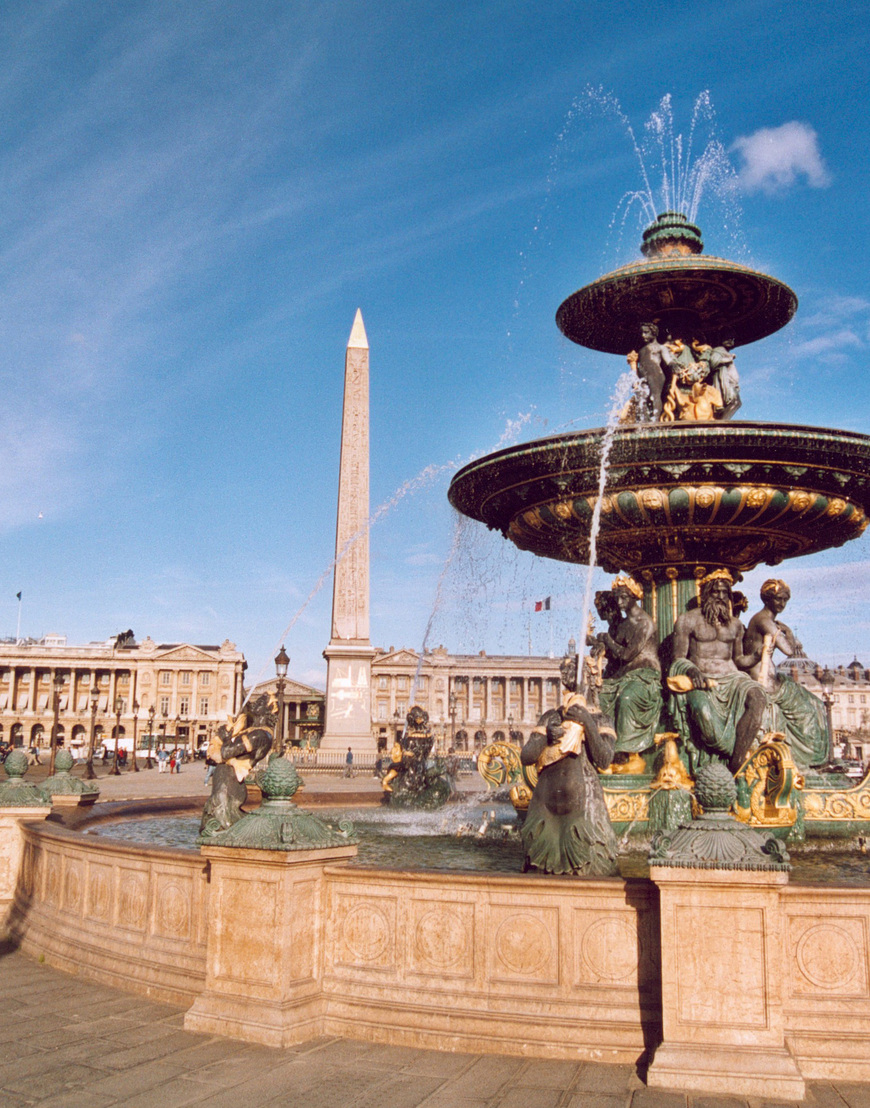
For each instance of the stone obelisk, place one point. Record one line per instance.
(349, 654)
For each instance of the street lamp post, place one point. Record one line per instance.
(282, 661)
(827, 683)
(163, 728)
(119, 705)
(510, 728)
(95, 700)
(452, 700)
(135, 766)
(151, 713)
(57, 683)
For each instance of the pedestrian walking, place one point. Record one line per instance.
(348, 763)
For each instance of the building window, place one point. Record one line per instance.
(185, 677)
(184, 705)
(402, 708)
(165, 677)
(205, 678)
(164, 705)
(203, 705)
(383, 708)
(403, 684)
(851, 699)
(382, 683)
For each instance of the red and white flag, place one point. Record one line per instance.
(542, 605)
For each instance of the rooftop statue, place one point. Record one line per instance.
(715, 702)
(793, 710)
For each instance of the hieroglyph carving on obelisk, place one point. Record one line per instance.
(349, 654)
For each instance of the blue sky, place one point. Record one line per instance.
(197, 197)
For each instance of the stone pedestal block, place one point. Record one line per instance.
(265, 945)
(722, 944)
(11, 851)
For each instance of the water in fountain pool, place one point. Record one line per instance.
(480, 836)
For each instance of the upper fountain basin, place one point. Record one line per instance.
(677, 494)
(694, 296)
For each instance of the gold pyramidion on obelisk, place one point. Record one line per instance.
(349, 654)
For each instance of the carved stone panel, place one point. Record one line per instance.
(305, 907)
(524, 944)
(607, 948)
(74, 887)
(132, 899)
(721, 970)
(172, 908)
(53, 889)
(99, 893)
(366, 931)
(246, 950)
(829, 956)
(441, 938)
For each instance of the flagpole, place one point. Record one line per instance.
(18, 628)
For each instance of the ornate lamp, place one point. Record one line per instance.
(135, 766)
(827, 682)
(282, 661)
(119, 707)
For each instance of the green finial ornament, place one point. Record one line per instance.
(15, 792)
(278, 824)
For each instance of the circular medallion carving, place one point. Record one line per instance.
(441, 938)
(609, 948)
(522, 944)
(827, 956)
(173, 912)
(366, 932)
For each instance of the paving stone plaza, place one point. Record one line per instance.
(68, 1043)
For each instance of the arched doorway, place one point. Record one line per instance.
(462, 740)
(16, 735)
(37, 734)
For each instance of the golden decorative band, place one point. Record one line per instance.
(717, 575)
(629, 583)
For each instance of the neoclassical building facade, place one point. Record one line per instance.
(184, 689)
(472, 699)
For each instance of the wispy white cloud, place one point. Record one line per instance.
(775, 158)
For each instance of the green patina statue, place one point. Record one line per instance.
(715, 703)
(631, 690)
(567, 828)
(792, 709)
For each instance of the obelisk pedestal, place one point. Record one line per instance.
(349, 654)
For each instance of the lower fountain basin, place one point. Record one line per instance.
(678, 495)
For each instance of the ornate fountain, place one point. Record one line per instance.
(689, 493)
